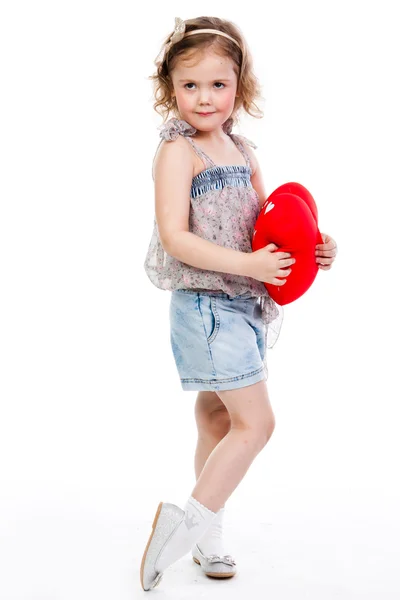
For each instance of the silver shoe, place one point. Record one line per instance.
(215, 565)
(167, 519)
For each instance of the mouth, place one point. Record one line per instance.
(205, 114)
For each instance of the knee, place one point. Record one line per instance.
(259, 433)
(268, 428)
(263, 432)
(218, 421)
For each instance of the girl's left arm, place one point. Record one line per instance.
(325, 253)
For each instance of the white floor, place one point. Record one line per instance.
(296, 544)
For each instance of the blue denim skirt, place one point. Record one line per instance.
(218, 341)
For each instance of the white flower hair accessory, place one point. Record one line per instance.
(177, 35)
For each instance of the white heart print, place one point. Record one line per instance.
(269, 207)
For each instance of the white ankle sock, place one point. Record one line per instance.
(197, 519)
(211, 542)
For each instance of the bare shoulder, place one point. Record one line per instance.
(173, 154)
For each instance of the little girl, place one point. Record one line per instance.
(208, 194)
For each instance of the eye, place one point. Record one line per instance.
(217, 83)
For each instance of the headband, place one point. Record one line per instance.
(178, 35)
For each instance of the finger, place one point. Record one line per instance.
(324, 248)
(288, 262)
(329, 246)
(282, 255)
(278, 282)
(283, 272)
(327, 253)
(324, 267)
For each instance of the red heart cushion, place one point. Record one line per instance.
(298, 190)
(289, 219)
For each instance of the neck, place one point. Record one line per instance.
(217, 135)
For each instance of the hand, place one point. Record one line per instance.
(325, 253)
(267, 265)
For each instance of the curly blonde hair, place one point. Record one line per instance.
(248, 88)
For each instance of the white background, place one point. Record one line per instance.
(94, 427)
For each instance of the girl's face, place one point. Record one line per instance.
(206, 86)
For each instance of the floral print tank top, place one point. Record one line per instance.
(223, 209)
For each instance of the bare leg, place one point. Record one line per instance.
(252, 424)
(213, 423)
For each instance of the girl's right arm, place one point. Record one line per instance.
(173, 173)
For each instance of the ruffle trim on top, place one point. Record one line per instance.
(170, 130)
(173, 128)
(216, 178)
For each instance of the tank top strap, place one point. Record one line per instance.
(171, 130)
(241, 142)
(207, 161)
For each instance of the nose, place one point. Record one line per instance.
(205, 96)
